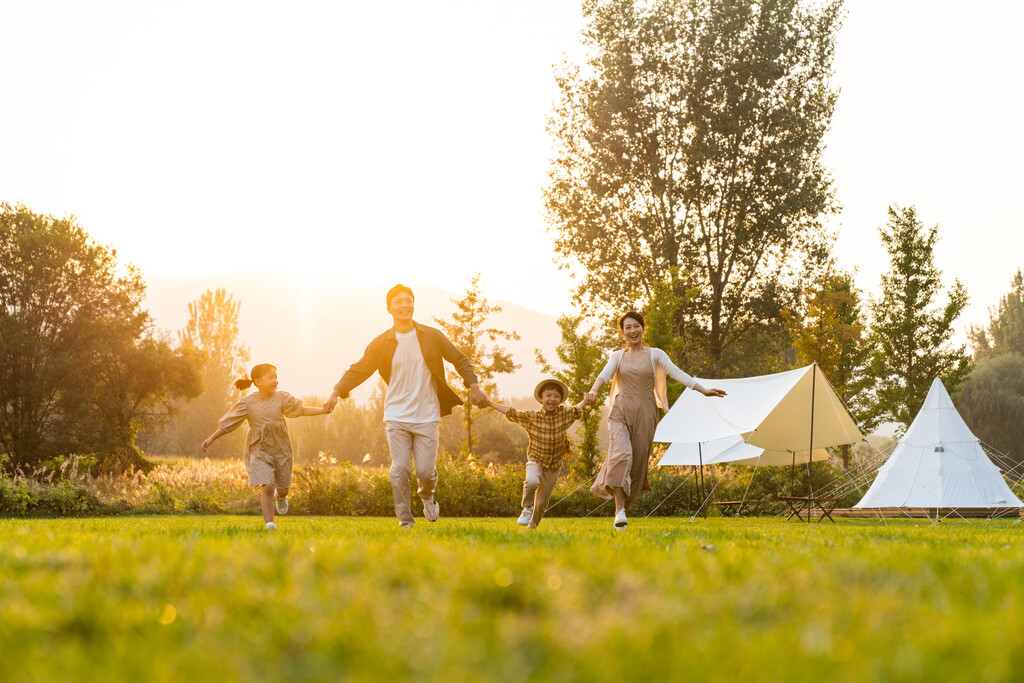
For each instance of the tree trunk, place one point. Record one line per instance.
(469, 430)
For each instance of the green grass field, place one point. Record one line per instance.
(216, 598)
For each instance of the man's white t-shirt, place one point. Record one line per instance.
(411, 396)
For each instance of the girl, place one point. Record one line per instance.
(268, 451)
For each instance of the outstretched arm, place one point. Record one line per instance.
(590, 398)
(709, 392)
(680, 376)
(213, 437)
(309, 410)
(503, 409)
(451, 353)
(359, 372)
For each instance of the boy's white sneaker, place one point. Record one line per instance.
(280, 504)
(524, 517)
(270, 526)
(431, 510)
(620, 519)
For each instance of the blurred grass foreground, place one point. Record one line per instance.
(200, 598)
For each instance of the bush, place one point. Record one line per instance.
(121, 460)
(66, 498)
(16, 498)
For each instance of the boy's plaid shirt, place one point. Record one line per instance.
(549, 442)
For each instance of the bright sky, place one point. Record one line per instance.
(406, 140)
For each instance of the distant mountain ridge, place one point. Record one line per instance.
(313, 331)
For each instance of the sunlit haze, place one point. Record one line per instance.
(406, 140)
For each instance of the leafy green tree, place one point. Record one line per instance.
(212, 330)
(910, 335)
(139, 381)
(467, 330)
(582, 356)
(76, 352)
(831, 331)
(1005, 333)
(992, 403)
(992, 400)
(688, 153)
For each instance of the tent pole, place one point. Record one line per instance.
(810, 449)
(792, 476)
(700, 459)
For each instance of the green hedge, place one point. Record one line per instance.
(465, 489)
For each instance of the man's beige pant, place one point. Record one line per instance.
(537, 490)
(412, 442)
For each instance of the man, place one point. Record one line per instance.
(410, 358)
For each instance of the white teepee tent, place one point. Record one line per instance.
(939, 463)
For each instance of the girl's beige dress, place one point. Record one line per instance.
(631, 425)
(268, 450)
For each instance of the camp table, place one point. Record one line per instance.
(798, 504)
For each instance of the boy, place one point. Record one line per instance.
(549, 444)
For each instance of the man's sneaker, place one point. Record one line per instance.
(270, 526)
(406, 525)
(280, 504)
(524, 518)
(431, 510)
(620, 519)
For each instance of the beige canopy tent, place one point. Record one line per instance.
(786, 415)
(781, 419)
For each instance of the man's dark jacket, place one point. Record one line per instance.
(436, 349)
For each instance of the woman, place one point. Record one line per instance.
(637, 373)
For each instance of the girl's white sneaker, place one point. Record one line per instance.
(270, 526)
(620, 519)
(280, 504)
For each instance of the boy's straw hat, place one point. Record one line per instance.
(551, 380)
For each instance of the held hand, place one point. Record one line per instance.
(590, 398)
(477, 396)
(329, 404)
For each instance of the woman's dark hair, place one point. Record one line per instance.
(551, 385)
(622, 322)
(635, 316)
(395, 291)
(256, 372)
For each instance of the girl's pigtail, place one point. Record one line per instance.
(243, 384)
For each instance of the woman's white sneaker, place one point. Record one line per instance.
(620, 519)
(524, 518)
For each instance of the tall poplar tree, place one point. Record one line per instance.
(212, 329)
(911, 331)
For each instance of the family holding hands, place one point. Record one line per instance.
(410, 359)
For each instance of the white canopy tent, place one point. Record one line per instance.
(939, 463)
(770, 420)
